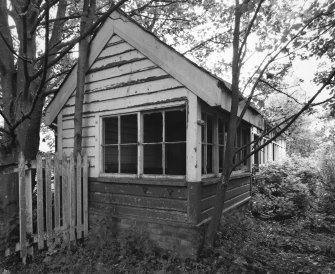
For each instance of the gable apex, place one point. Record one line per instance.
(207, 87)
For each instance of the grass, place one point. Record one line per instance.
(244, 244)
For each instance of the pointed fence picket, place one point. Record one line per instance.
(59, 213)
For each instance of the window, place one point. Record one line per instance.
(120, 144)
(242, 139)
(222, 128)
(207, 141)
(162, 141)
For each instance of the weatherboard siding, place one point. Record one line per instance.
(237, 192)
(143, 201)
(121, 78)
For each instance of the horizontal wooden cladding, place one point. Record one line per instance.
(88, 122)
(115, 39)
(238, 190)
(170, 192)
(126, 56)
(210, 189)
(232, 193)
(139, 201)
(160, 181)
(126, 68)
(114, 49)
(109, 210)
(209, 211)
(87, 141)
(142, 201)
(86, 132)
(107, 91)
(122, 103)
(129, 79)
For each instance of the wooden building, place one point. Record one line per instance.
(154, 129)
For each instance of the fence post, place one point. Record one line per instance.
(22, 206)
(72, 198)
(57, 175)
(65, 203)
(29, 206)
(40, 199)
(48, 198)
(85, 194)
(79, 198)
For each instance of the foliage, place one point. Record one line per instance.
(243, 245)
(327, 163)
(286, 189)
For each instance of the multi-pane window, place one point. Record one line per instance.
(120, 144)
(161, 136)
(207, 141)
(214, 137)
(164, 142)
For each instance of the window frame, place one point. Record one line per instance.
(140, 112)
(204, 144)
(221, 118)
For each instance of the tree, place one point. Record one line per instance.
(246, 15)
(29, 70)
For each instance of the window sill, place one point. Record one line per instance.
(215, 180)
(159, 180)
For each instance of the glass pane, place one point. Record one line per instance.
(129, 129)
(203, 159)
(175, 155)
(209, 129)
(245, 136)
(220, 158)
(203, 117)
(175, 126)
(111, 130)
(225, 133)
(129, 159)
(209, 159)
(221, 133)
(111, 159)
(153, 127)
(152, 163)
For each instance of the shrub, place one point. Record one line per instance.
(327, 163)
(286, 189)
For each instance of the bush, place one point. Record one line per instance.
(286, 189)
(327, 163)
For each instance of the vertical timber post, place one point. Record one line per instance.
(193, 158)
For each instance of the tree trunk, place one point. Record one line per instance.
(230, 145)
(85, 23)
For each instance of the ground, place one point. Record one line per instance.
(244, 244)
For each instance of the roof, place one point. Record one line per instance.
(210, 88)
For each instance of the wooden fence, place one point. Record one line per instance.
(53, 205)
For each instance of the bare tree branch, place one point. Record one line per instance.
(72, 43)
(294, 118)
(278, 90)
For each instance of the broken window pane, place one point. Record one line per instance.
(153, 127)
(129, 159)
(111, 159)
(152, 163)
(175, 126)
(111, 130)
(129, 129)
(175, 155)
